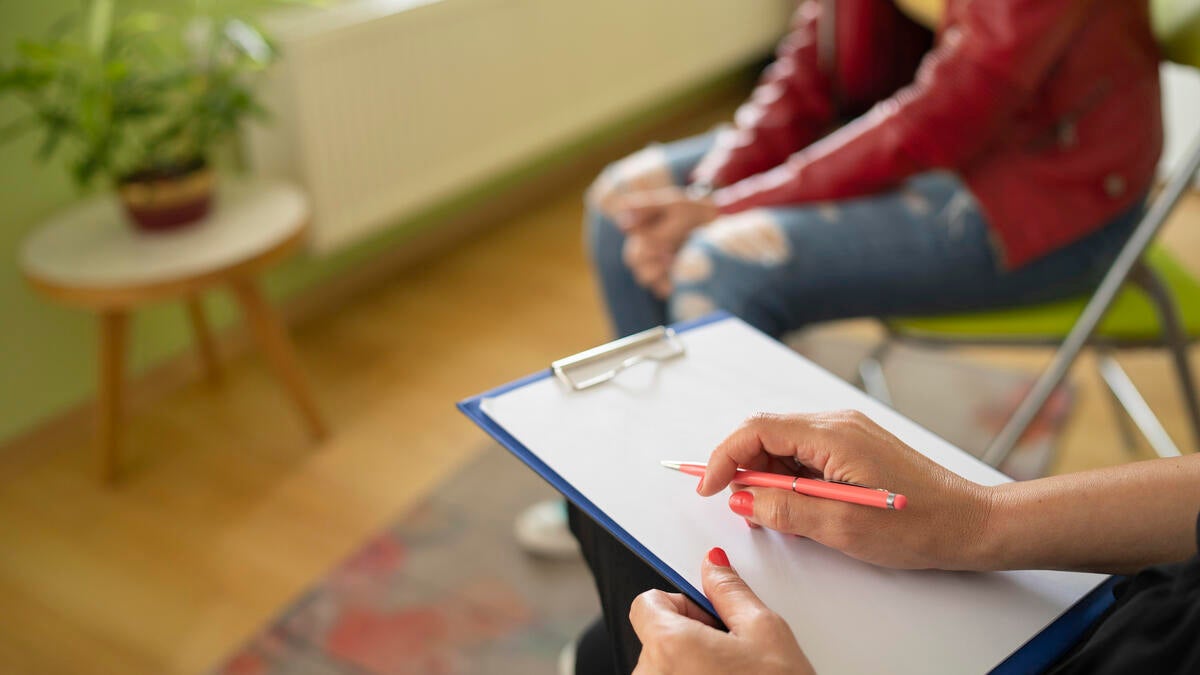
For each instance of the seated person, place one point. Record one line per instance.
(1147, 516)
(1007, 165)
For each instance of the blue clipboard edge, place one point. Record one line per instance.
(1053, 642)
(473, 408)
(1041, 651)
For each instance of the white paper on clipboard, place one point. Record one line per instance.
(850, 617)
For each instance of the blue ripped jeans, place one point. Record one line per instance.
(924, 248)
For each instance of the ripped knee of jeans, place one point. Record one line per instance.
(690, 304)
(752, 237)
(693, 265)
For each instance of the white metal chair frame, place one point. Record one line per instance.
(1128, 266)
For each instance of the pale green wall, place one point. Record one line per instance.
(47, 352)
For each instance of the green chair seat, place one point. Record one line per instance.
(1177, 27)
(1132, 318)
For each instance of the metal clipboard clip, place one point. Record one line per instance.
(603, 363)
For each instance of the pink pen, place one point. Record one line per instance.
(826, 489)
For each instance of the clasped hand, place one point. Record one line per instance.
(656, 223)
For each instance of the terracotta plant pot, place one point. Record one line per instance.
(167, 198)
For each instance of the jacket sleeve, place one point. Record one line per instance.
(985, 68)
(791, 107)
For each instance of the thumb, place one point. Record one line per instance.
(786, 511)
(735, 603)
(642, 209)
(633, 215)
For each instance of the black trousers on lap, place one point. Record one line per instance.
(620, 577)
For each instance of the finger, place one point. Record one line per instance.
(799, 437)
(662, 288)
(668, 623)
(736, 604)
(632, 251)
(691, 610)
(636, 218)
(655, 605)
(671, 643)
(650, 612)
(772, 464)
(668, 230)
(637, 248)
(649, 272)
(637, 210)
(792, 513)
(735, 488)
(646, 267)
(754, 439)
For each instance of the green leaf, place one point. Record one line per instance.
(123, 86)
(142, 22)
(36, 51)
(21, 78)
(100, 20)
(115, 71)
(49, 143)
(17, 127)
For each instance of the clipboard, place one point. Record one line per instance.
(597, 367)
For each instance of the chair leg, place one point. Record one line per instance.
(1139, 411)
(1178, 183)
(1125, 427)
(1035, 399)
(871, 378)
(1184, 370)
(1176, 339)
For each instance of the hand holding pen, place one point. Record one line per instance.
(939, 527)
(851, 493)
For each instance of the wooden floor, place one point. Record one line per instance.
(227, 512)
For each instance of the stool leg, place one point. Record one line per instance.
(205, 345)
(277, 349)
(114, 327)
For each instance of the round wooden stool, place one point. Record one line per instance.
(88, 256)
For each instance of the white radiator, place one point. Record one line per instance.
(383, 107)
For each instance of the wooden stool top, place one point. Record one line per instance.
(89, 255)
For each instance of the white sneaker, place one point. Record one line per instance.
(542, 530)
(566, 659)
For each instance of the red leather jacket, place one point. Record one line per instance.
(1047, 109)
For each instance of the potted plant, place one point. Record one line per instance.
(143, 99)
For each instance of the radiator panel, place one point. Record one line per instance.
(381, 112)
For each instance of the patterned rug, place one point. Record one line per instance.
(446, 590)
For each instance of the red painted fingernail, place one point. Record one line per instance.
(717, 557)
(742, 503)
(700, 486)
